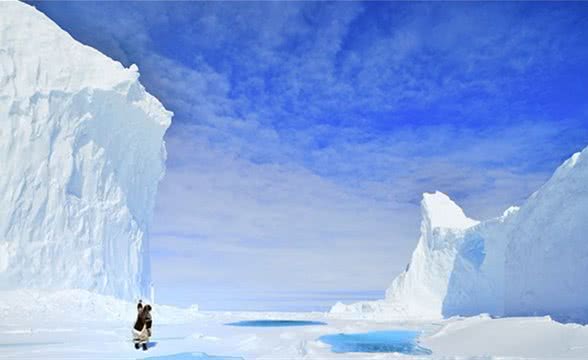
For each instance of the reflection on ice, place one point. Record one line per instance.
(394, 341)
(275, 323)
(27, 344)
(191, 356)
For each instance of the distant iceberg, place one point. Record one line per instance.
(529, 261)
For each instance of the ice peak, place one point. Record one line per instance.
(439, 211)
(509, 212)
(47, 59)
(572, 162)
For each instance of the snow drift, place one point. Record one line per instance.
(35, 308)
(81, 154)
(529, 261)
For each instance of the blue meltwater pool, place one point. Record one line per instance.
(390, 341)
(275, 323)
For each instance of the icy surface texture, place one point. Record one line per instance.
(422, 288)
(275, 323)
(532, 260)
(547, 255)
(81, 154)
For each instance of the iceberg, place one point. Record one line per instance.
(531, 260)
(81, 154)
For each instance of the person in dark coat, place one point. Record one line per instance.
(142, 328)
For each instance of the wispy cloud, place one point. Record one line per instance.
(305, 133)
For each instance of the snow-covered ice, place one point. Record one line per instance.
(547, 254)
(423, 287)
(81, 154)
(515, 337)
(83, 325)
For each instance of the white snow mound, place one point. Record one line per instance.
(82, 152)
(33, 306)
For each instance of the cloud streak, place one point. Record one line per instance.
(305, 133)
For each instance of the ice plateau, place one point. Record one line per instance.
(532, 260)
(81, 156)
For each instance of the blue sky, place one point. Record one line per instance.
(305, 133)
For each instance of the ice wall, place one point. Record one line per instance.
(476, 283)
(547, 254)
(81, 155)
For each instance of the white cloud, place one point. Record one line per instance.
(305, 133)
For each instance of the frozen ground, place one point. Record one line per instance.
(80, 325)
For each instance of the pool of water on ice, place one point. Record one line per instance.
(397, 341)
(275, 323)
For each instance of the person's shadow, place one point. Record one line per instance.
(151, 344)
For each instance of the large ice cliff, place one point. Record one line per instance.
(532, 260)
(81, 155)
(547, 255)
